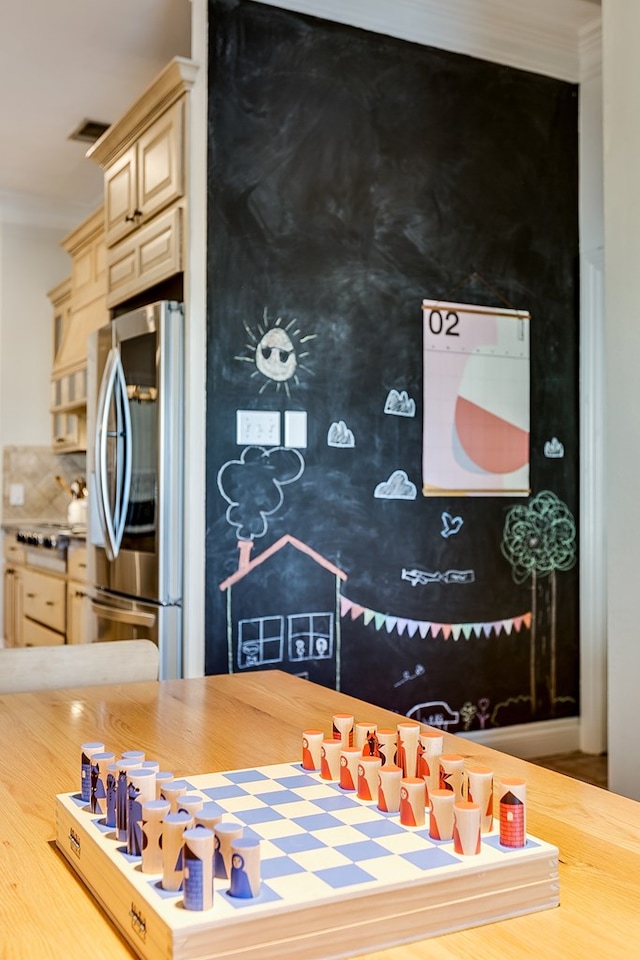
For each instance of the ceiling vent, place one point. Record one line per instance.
(88, 131)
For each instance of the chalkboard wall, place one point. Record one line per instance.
(351, 175)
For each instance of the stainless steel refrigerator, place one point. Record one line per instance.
(135, 461)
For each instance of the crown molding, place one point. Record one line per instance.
(542, 37)
(590, 45)
(176, 79)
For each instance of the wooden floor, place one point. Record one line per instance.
(580, 766)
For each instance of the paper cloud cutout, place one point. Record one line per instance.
(397, 487)
(554, 449)
(339, 435)
(400, 404)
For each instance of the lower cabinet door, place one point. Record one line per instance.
(35, 635)
(80, 619)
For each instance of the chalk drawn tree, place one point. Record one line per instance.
(538, 539)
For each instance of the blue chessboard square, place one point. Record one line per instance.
(340, 802)
(363, 850)
(296, 780)
(494, 842)
(191, 788)
(378, 828)
(101, 824)
(345, 876)
(317, 821)
(279, 867)
(129, 857)
(245, 776)
(225, 792)
(258, 815)
(159, 890)
(298, 843)
(428, 859)
(266, 895)
(278, 796)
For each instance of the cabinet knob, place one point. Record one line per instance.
(133, 217)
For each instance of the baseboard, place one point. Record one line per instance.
(530, 740)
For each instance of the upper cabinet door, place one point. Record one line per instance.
(160, 162)
(120, 196)
(147, 177)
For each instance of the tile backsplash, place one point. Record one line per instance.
(36, 468)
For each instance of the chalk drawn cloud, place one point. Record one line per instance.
(340, 435)
(252, 486)
(397, 487)
(400, 404)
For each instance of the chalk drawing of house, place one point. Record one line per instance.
(283, 611)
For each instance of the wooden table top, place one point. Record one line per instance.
(229, 722)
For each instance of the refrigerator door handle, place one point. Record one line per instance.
(136, 618)
(113, 390)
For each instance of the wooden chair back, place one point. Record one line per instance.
(77, 665)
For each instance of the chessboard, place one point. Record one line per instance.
(338, 876)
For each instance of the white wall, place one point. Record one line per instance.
(593, 619)
(621, 84)
(31, 262)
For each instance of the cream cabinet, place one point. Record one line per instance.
(148, 177)
(144, 157)
(68, 381)
(44, 608)
(152, 255)
(12, 607)
(60, 297)
(86, 247)
(36, 634)
(79, 615)
(79, 307)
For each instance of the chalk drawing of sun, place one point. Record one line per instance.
(274, 351)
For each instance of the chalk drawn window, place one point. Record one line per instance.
(260, 641)
(310, 636)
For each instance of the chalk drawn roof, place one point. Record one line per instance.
(274, 548)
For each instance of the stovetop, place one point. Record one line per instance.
(44, 533)
(45, 544)
(46, 538)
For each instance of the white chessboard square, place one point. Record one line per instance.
(277, 771)
(319, 858)
(392, 869)
(339, 836)
(301, 808)
(274, 829)
(405, 842)
(359, 814)
(268, 850)
(317, 791)
(240, 803)
(299, 887)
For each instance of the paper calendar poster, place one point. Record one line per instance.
(476, 400)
